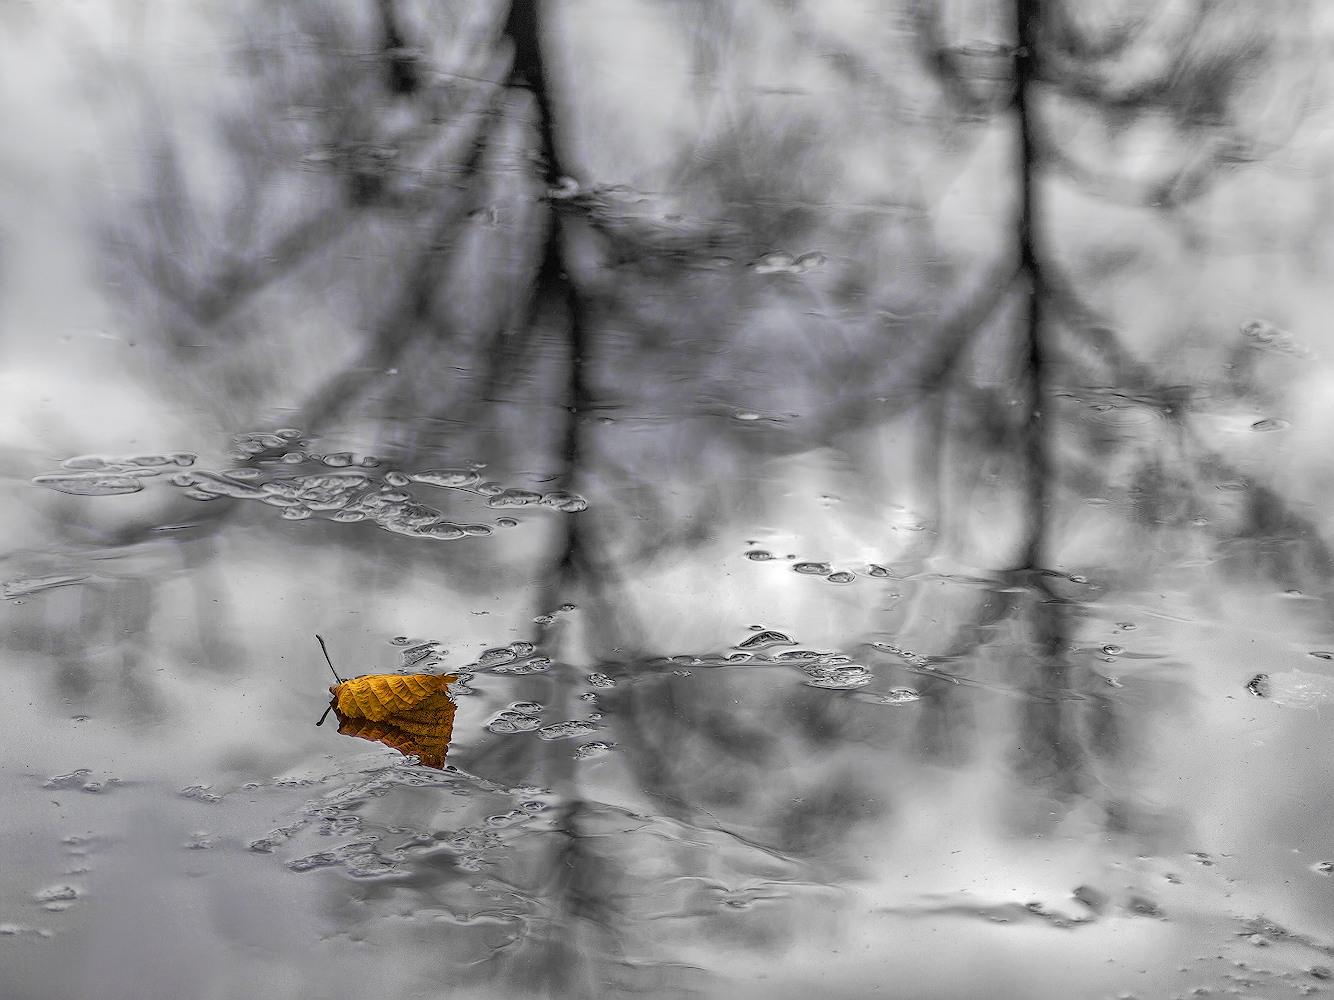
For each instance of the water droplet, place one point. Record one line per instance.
(759, 555)
(767, 638)
(1112, 649)
(566, 730)
(1270, 424)
(600, 681)
(812, 568)
(591, 750)
(394, 478)
(842, 576)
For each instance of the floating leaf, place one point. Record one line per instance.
(412, 713)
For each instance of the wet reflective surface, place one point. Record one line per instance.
(866, 465)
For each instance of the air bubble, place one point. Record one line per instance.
(1270, 424)
(1233, 486)
(396, 479)
(348, 516)
(293, 458)
(1112, 649)
(527, 707)
(298, 513)
(338, 460)
(1128, 626)
(369, 462)
(400, 640)
(57, 894)
(534, 666)
(591, 750)
(513, 498)
(842, 576)
(837, 678)
(747, 415)
(879, 572)
(507, 723)
(812, 568)
(1320, 654)
(900, 696)
(90, 484)
(498, 654)
(87, 463)
(567, 503)
(600, 681)
(759, 555)
(447, 478)
(507, 522)
(566, 730)
(767, 638)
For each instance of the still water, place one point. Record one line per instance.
(867, 466)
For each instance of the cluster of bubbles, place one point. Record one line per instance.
(99, 476)
(345, 496)
(824, 569)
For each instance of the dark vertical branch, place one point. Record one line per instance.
(554, 289)
(1035, 431)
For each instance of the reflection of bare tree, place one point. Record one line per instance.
(660, 350)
